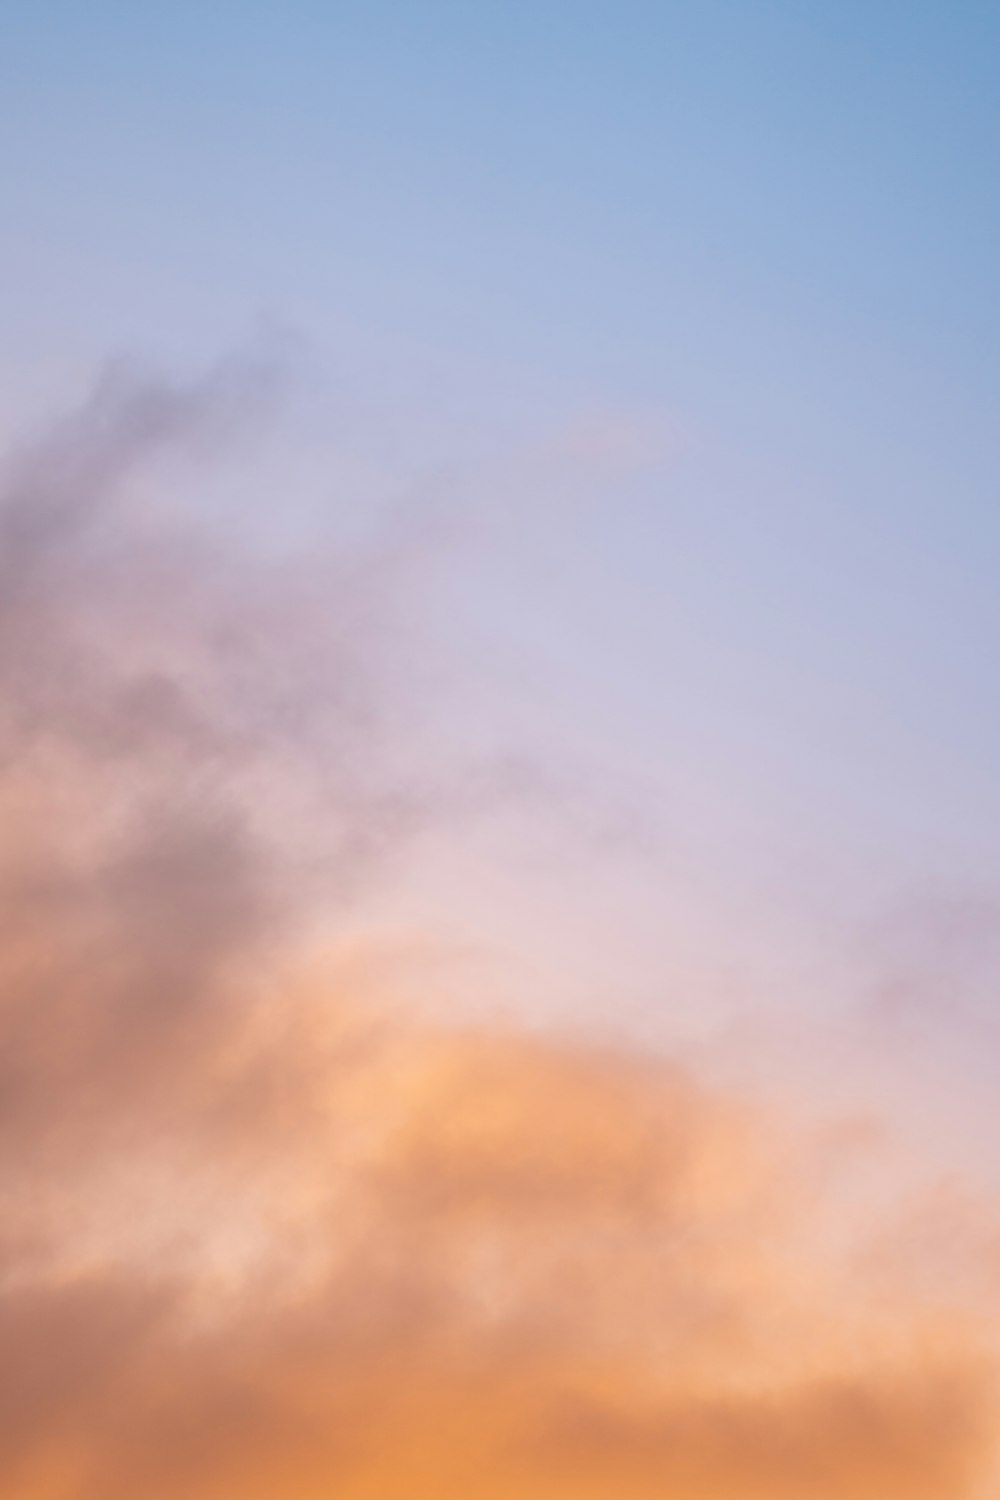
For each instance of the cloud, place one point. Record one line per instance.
(491, 1267)
(267, 1228)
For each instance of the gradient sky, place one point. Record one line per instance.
(639, 369)
(766, 233)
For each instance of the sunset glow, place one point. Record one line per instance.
(498, 739)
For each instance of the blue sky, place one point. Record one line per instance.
(652, 198)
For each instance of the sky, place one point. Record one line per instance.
(499, 888)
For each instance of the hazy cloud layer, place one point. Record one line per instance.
(266, 1232)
